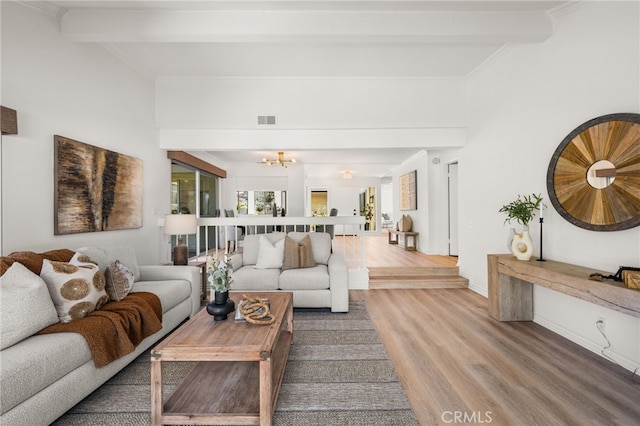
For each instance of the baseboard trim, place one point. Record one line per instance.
(483, 291)
(594, 347)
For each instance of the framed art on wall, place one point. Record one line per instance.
(95, 189)
(408, 193)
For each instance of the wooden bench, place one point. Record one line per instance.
(407, 237)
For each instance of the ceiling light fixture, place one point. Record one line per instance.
(346, 174)
(280, 160)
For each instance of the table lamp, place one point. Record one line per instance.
(180, 224)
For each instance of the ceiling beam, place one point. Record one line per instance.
(122, 26)
(295, 139)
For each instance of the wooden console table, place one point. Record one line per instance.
(511, 287)
(405, 237)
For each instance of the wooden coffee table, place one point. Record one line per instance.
(241, 366)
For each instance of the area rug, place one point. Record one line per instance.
(338, 373)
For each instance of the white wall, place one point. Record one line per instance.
(522, 104)
(419, 216)
(246, 176)
(386, 198)
(343, 194)
(84, 93)
(334, 113)
(310, 103)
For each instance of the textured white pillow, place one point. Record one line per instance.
(119, 281)
(76, 290)
(106, 256)
(270, 256)
(25, 305)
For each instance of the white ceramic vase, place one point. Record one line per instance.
(510, 235)
(522, 245)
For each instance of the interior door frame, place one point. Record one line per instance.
(318, 189)
(452, 208)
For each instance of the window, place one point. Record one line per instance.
(183, 190)
(194, 191)
(208, 191)
(270, 203)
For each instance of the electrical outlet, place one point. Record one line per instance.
(603, 323)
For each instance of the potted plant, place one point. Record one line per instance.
(368, 215)
(522, 210)
(219, 275)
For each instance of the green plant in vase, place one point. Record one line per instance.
(368, 214)
(522, 210)
(219, 274)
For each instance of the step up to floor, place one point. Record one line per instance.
(419, 277)
(435, 282)
(407, 272)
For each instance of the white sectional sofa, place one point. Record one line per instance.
(324, 285)
(43, 376)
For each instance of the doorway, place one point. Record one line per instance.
(452, 175)
(319, 202)
(368, 208)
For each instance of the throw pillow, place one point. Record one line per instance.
(291, 257)
(298, 255)
(306, 253)
(270, 256)
(321, 242)
(79, 259)
(25, 305)
(105, 256)
(119, 281)
(76, 290)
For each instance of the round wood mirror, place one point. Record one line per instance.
(594, 175)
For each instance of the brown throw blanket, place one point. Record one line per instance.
(33, 261)
(117, 328)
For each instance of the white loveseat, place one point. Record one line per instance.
(43, 376)
(324, 285)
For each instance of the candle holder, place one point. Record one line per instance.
(541, 259)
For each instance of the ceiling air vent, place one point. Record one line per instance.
(266, 119)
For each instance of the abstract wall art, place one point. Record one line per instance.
(408, 191)
(95, 189)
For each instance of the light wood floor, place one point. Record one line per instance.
(390, 266)
(456, 363)
(379, 253)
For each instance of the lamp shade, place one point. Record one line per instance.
(180, 224)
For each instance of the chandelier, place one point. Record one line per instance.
(280, 160)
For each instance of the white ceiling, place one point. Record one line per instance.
(362, 162)
(338, 38)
